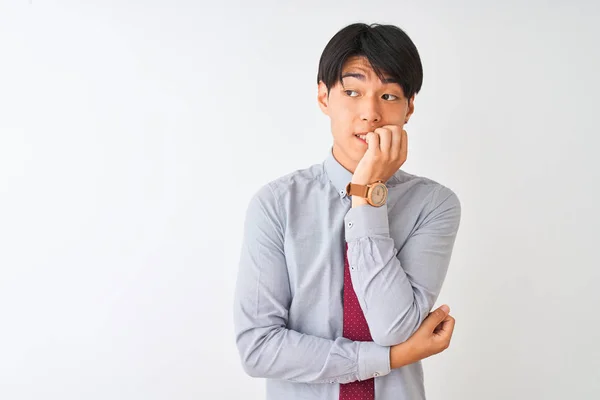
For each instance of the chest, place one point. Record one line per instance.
(314, 241)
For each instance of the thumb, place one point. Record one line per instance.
(372, 141)
(436, 317)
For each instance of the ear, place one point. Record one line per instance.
(323, 97)
(411, 107)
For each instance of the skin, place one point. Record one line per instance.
(432, 337)
(361, 104)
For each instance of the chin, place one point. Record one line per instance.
(352, 150)
(359, 148)
(360, 153)
(357, 155)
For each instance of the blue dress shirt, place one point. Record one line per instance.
(288, 298)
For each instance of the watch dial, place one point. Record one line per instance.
(379, 194)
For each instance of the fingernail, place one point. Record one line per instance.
(445, 308)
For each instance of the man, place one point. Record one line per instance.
(343, 261)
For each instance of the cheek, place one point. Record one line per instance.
(346, 116)
(342, 118)
(395, 114)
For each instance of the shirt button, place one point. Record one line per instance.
(342, 193)
(376, 374)
(350, 224)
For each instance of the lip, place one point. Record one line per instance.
(363, 141)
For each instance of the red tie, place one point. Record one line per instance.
(355, 328)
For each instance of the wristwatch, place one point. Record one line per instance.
(376, 193)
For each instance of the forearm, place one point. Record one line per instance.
(391, 307)
(281, 353)
(402, 354)
(396, 290)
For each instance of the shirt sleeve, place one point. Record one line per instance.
(262, 297)
(397, 289)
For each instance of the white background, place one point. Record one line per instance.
(132, 135)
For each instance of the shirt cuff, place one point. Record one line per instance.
(366, 220)
(373, 360)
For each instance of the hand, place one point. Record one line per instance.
(432, 337)
(388, 148)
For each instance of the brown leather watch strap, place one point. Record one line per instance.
(353, 189)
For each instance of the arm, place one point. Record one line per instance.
(262, 297)
(396, 291)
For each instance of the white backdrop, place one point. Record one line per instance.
(132, 135)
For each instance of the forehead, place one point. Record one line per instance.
(358, 63)
(359, 67)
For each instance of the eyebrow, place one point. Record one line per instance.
(361, 77)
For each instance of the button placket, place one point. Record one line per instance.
(352, 266)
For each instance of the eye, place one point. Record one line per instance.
(395, 97)
(350, 91)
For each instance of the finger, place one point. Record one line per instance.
(373, 142)
(436, 317)
(396, 148)
(385, 140)
(446, 327)
(440, 326)
(404, 146)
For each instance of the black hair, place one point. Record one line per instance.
(388, 49)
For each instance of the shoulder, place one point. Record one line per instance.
(432, 194)
(299, 179)
(269, 196)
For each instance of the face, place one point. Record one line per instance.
(360, 104)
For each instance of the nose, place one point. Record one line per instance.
(370, 112)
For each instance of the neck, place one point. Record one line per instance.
(344, 159)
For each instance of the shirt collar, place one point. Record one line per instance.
(340, 176)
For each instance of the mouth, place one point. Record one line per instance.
(362, 137)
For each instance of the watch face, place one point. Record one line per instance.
(379, 194)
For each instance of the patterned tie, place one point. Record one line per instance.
(355, 328)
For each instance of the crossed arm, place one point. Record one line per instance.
(396, 289)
